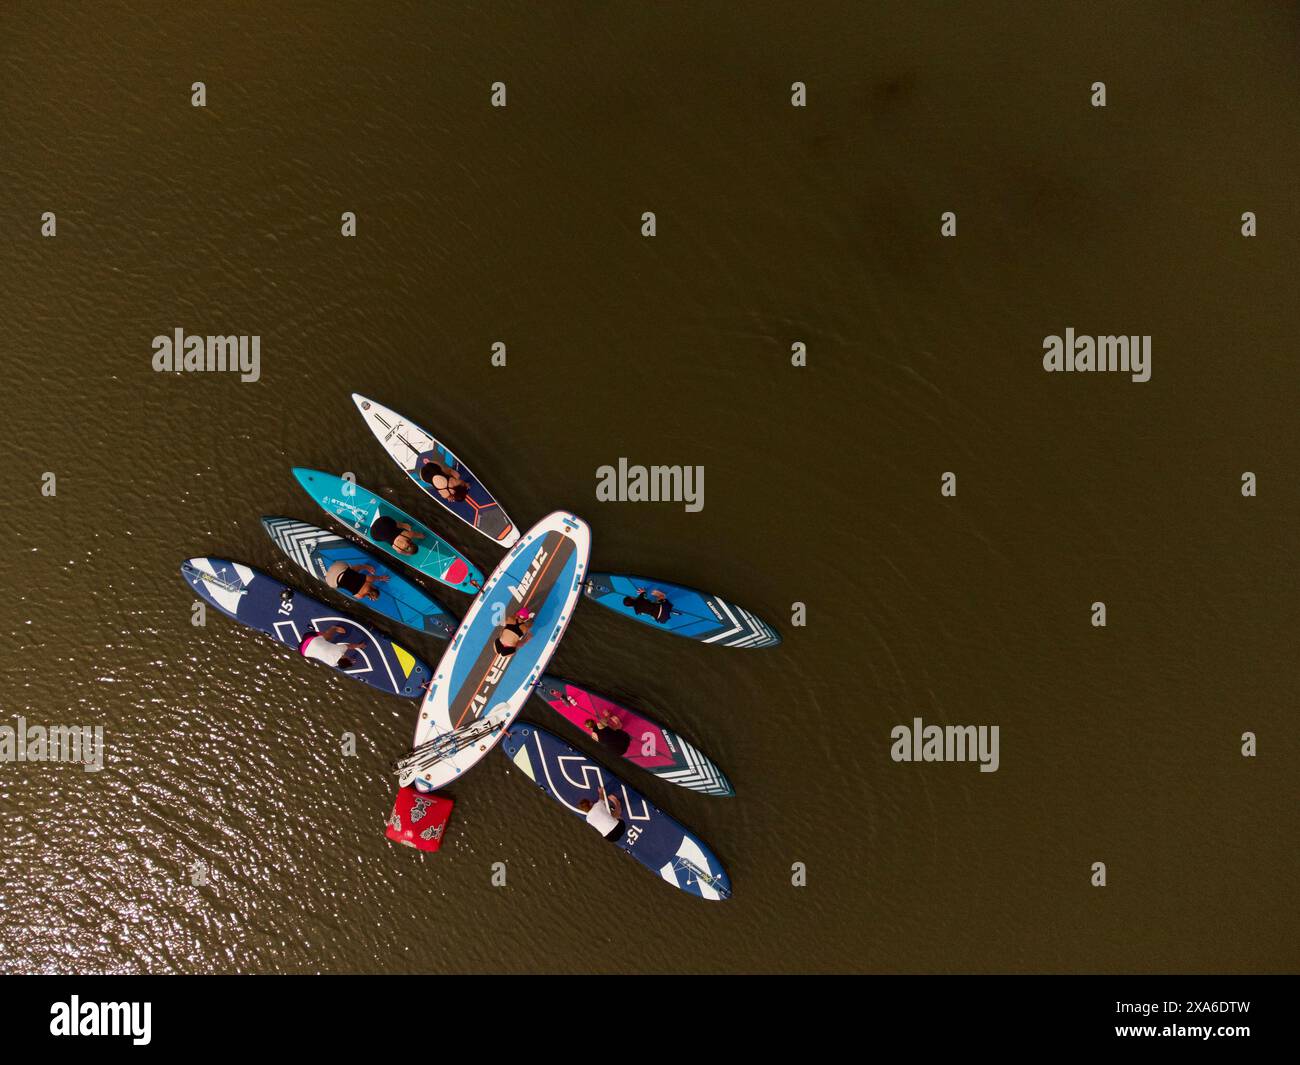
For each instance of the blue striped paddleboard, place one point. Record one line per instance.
(663, 845)
(683, 611)
(413, 448)
(263, 603)
(316, 550)
(358, 508)
(476, 691)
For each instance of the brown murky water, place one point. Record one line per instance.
(776, 225)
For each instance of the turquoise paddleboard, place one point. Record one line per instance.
(360, 509)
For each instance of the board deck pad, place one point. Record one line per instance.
(652, 837)
(476, 692)
(654, 748)
(411, 446)
(696, 615)
(358, 507)
(263, 603)
(316, 550)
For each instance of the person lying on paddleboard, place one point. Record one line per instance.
(515, 632)
(358, 582)
(321, 646)
(656, 604)
(398, 534)
(447, 483)
(609, 733)
(605, 816)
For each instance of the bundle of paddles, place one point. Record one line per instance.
(497, 652)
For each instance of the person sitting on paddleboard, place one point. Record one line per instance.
(515, 632)
(447, 483)
(605, 819)
(321, 646)
(656, 604)
(398, 534)
(609, 734)
(358, 582)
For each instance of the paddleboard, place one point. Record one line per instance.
(476, 691)
(263, 603)
(358, 508)
(412, 447)
(316, 550)
(654, 748)
(654, 839)
(694, 614)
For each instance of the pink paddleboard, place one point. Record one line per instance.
(654, 748)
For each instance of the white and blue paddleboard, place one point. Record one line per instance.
(316, 550)
(663, 845)
(263, 603)
(412, 448)
(476, 691)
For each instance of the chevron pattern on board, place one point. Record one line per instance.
(746, 630)
(698, 773)
(299, 540)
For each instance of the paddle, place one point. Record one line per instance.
(436, 749)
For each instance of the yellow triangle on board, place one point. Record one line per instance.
(525, 763)
(405, 659)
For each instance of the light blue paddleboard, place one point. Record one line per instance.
(680, 610)
(317, 550)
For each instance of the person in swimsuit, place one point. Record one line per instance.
(398, 534)
(605, 817)
(609, 734)
(321, 646)
(656, 604)
(450, 485)
(358, 581)
(515, 632)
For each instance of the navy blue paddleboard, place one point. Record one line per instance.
(263, 603)
(654, 839)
